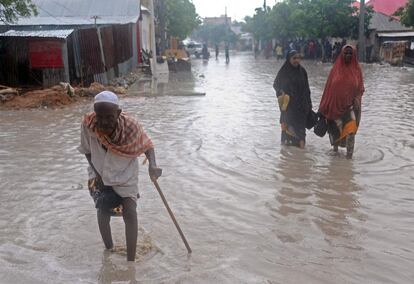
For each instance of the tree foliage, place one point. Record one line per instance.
(182, 18)
(306, 18)
(260, 24)
(215, 34)
(407, 14)
(11, 10)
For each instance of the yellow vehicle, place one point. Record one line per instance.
(176, 51)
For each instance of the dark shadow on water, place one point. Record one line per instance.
(111, 273)
(326, 196)
(337, 196)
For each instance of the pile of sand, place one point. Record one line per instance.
(56, 96)
(95, 88)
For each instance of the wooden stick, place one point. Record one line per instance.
(172, 216)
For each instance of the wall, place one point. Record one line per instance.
(146, 32)
(32, 61)
(115, 58)
(86, 56)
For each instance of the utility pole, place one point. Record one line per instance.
(227, 24)
(162, 20)
(98, 31)
(361, 38)
(95, 18)
(152, 43)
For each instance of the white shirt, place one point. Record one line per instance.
(119, 172)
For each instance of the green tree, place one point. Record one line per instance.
(11, 10)
(407, 14)
(260, 25)
(182, 18)
(286, 20)
(289, 19)
(215, 34)
(323, 18)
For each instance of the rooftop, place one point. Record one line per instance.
(387, 7)
(62, 34)
(81, 12)
(384, 23)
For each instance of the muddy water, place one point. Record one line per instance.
(253, 212)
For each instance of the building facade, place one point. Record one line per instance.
(76, 41)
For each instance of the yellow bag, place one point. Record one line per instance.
(283, 102)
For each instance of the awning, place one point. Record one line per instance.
(62, 34)
(397, 34)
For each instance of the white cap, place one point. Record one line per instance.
(106, 97)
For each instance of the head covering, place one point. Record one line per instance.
(344, 86)
(291, 53)
(290, 79)
(106, 97)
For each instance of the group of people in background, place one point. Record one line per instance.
(339, 112)
(308, 49)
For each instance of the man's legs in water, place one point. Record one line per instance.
(131, 226)
(104, 219)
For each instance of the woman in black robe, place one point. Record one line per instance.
(293, 93)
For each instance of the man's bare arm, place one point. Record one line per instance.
(153, 170)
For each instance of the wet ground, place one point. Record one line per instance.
(253, 211)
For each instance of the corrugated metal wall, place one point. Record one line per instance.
(15, 63)
(84, 57)
(52, 76)
(90, 54)
(87, 57)
(123, 42)
(108, 46)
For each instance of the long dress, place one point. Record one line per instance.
(293, 81)
(343, 91)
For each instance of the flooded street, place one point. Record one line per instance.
(253, 211)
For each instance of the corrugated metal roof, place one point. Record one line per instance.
(80, 12)
(384, 23)
(400, 34)
(74, 21)
(43, 33)
(388, 7)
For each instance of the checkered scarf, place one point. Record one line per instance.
(128, 140)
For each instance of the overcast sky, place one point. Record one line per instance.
(236, 9)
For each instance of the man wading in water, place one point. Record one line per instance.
(112, 142)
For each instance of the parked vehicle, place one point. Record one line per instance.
(194, 49)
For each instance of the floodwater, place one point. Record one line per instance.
(253, 211)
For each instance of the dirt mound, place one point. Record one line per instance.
(95, 88)
(57, 96)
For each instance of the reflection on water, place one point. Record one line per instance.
(111, 273)
(337, 195)
(253, 211)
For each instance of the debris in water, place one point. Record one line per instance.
(145, 246)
